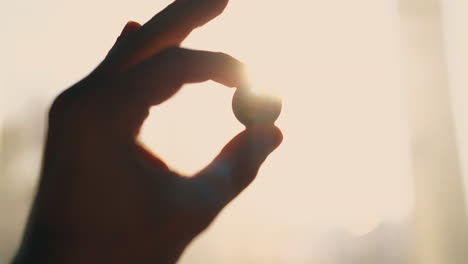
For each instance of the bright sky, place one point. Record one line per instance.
(345, 160)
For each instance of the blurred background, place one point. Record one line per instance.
(375, 118)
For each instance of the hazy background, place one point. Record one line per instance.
(370, 89)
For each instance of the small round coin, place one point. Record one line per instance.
(252, 107)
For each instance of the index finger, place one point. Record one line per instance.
(168, 28)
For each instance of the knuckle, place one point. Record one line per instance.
(69, 103)
(61, 105)
(171, 51)
(206, 196)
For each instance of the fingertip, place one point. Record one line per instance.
(204, 10)
(234, 74)
(252, 146)
(268, 136)
(130, 27)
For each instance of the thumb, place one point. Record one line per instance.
(238, 163)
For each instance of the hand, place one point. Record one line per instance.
(102, 197)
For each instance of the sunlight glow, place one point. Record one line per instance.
(344, 162)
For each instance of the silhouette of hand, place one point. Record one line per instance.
(102, 197)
